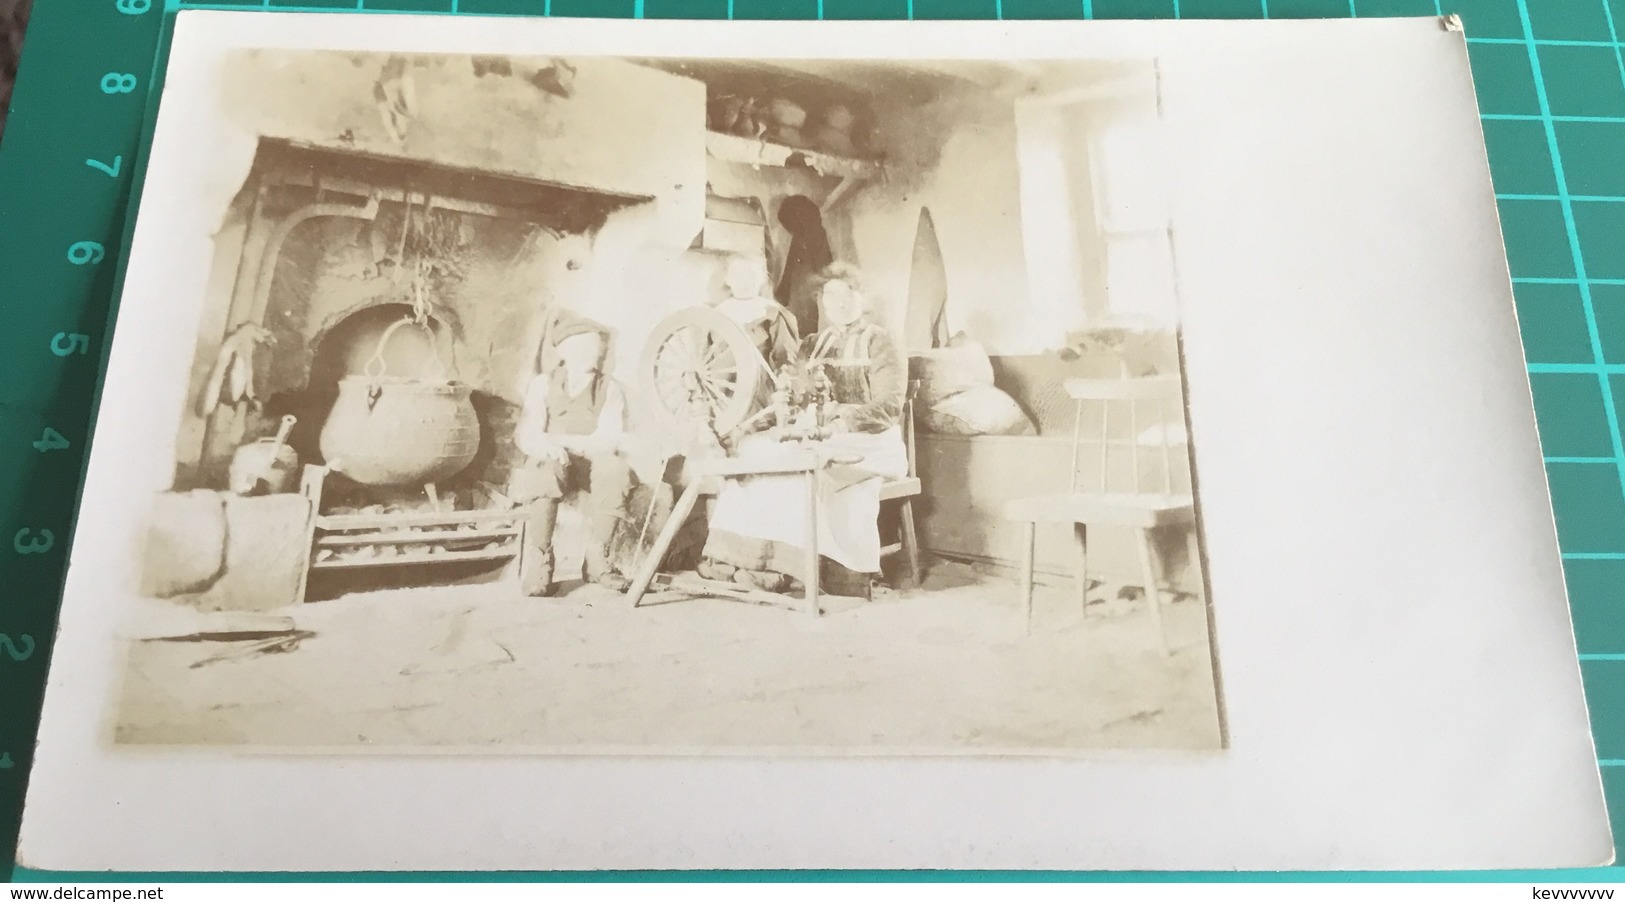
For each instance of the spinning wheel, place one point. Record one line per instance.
(699, 365)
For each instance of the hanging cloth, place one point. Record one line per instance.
(809, 253)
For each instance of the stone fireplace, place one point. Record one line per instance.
(404, 274)
(344, 245)
(468, 198)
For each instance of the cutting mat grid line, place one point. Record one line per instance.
(1550, 76)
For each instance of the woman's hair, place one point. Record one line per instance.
(837, 272)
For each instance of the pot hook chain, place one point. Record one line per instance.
(377, 367)
(422, 268)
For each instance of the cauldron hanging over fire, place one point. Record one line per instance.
(389, 430)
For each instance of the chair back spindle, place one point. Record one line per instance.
(1134, 443)
(1105, 443)
(1157, 392)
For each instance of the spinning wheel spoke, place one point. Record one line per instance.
(670, 358)
(673, 383)
(720, 376)
(713, 380)
(687, 346)
(718, 356)
(671, 394)
(714, 395)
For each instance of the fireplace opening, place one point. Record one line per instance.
(402, 304)
(424, 433)
(409, 506)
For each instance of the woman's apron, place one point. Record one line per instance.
(760, 522)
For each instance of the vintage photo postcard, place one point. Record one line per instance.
(518, 375)
(811, 405)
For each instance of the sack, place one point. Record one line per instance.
(186, 543)
(945, 372)
(983, 410)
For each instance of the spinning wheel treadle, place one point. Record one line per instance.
(699, 364)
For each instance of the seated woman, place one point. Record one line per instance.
(758, 534)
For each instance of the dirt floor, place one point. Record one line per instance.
(945, 668)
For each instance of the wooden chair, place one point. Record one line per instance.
(1134, 509)
(905, 490)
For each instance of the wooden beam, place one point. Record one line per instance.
(845, 189)
(354, 188)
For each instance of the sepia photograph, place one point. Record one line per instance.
(682, 405)
(581, 445)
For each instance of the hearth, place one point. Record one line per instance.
(396, 305)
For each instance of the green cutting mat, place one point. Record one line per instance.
(1551, 84)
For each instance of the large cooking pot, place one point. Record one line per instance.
(391, 430)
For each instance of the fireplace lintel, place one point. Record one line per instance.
(567, 207)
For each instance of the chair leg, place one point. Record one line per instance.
(911, 542)
(1030, 537)
(1080, 537)
(1153, 595)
